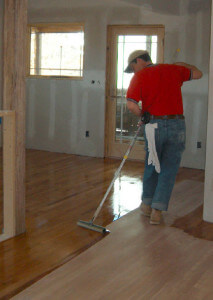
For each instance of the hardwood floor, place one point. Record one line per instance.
(136, 261)
(60, 189)
(194, 225)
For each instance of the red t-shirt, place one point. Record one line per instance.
(159, 88)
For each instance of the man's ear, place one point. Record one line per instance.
(142, 62)
(138, 59)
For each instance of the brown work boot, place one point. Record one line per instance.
(155, 218)
(146, 209)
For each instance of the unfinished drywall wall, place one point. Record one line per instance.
(208, 191)
(59, 112)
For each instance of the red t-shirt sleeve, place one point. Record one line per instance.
(185, 73)
(134, 90)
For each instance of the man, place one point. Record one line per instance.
(159, 88)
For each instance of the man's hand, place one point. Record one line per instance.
(140, 123)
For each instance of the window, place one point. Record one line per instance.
(125, 45)
(121, 124)
(56, 50)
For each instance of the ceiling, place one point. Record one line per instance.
(172, 7)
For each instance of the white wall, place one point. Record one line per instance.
(60, 111)
(208, 194)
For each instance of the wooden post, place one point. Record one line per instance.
(14, 70)
(9, 226)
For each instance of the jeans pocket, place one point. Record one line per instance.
(181, 140)
(177, 136)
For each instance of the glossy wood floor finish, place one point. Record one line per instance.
(136, 261)
(60, 189)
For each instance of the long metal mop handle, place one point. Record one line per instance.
(116, 175)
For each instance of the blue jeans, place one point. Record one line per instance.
(170, 144)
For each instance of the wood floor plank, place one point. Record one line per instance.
(60, 189)
(136, 261)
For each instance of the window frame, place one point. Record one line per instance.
(53, 28)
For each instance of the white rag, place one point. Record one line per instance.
(150, 135)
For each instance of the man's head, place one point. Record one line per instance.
(137, 60)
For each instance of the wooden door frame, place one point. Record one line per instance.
(110, 59)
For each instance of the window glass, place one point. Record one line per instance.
(57, 51)
(125, 45)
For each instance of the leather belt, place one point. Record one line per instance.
(166, 117)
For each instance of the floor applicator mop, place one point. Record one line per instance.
(90, 224)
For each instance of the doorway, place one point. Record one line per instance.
(121, 125)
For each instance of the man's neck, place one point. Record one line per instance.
(149, 63)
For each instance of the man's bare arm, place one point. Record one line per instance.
(196, 73)
(134, 108)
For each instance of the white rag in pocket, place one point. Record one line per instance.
(150, 135)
